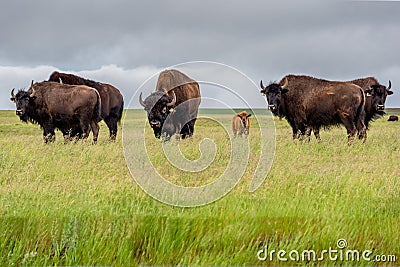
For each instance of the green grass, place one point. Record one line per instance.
(77, 204)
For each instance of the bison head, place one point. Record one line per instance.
(158, 106)
(22, 101)
(244, 117)
(376, 96)
(274, 92)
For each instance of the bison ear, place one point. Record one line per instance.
(248, 115)
(263, 92)
(368, 92)
(171, 110)
(284, 91)
(12, 99)
(390, 92)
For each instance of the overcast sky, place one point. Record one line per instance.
(126, 42)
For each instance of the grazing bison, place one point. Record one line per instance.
(112, 102)
(59, 106)
(308, 102)
(393, 118)
(241, 124)
(172, 108)
(374, 102)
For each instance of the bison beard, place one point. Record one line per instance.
(307, 102)
(111, 98)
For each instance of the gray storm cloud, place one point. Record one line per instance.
(125, 42)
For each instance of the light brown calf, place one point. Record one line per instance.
(241, 124)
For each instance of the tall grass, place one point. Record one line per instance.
(77, 204)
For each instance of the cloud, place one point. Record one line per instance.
(339, 40)
(127, 81)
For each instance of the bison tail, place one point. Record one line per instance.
(121, 109)
(360, 109)
(97, 108)
(360, 117)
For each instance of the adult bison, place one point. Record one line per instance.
(308, 102)
(393, 118)
(241, 123)
(173, 107)
(59, 106)
(112, 101)
(374, 102)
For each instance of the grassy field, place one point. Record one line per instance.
(77, 204)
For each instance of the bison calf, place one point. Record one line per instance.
(241, 124)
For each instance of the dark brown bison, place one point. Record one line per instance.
(112, 101)
(241, 124)
(393, 118)
(308, 102)
(173, 107)
(374, 102)
(59, 106)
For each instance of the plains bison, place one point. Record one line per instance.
(173, 107)
(112, 101)
(374, 102)
(308, 102)
(241, 124)
(59, 106)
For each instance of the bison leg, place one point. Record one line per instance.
(294, 129)
(362, 130)
(316, 133)
(302, 132)
(66, 135)
(85, 128)
(295, 134)
(112, 125)
(48, 133)
(187, 130)
(95, 128)
(308, 133)
(350, 127)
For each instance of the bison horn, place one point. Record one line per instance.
(261, 84)
(32, 83)
(60, 80)
(141, 101)
(390, 86)
(285, 84)
(33, 93)
(12, 93)
(172, 103)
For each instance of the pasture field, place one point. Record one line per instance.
(77, 204)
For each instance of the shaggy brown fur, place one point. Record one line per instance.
(308, 102)
(375, 95)
(111, 97)
(187, 94)
(62, 106)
